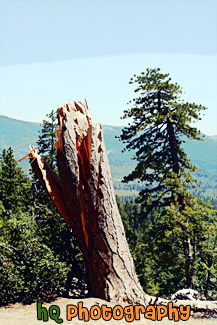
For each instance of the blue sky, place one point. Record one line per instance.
(53, 52)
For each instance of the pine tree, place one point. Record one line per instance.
(52, 228)
(160, 122)
(46, 147)
(46, 139)
(15, 186)
(28, 268)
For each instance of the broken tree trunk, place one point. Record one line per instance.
(84, 196)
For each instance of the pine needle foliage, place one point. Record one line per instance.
(159, 121)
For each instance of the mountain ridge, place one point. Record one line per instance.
(104, 125)
(19, 134)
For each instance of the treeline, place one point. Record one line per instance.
(177, 236)
(40, 258)
(200, 193)
(206, 191)
(156, 244)
(172, 234)
(39, 255)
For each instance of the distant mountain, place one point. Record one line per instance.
(18, 134)
(214, 137)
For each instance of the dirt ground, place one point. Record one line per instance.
(19, 314)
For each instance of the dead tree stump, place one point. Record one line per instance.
(84, 196)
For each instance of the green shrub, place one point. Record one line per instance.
(29, 270)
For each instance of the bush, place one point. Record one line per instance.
(29, 270)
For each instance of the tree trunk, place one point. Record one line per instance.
(210, 259)
(84, 196)
(190, 261)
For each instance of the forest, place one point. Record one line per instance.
(171, 230)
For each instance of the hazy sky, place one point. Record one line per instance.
(53, 52)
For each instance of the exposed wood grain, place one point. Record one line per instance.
(84, 196)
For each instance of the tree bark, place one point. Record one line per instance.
(84, 196)
(210, 260)
(190, 263)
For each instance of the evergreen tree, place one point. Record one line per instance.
(158, 247)
(29, 269)
(126, 212)
(45, 147)
(46, 139)
(52, 228)
(15, 186)
(160, 120)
